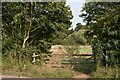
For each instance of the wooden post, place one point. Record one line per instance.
(34, 57)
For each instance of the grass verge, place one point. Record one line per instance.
(108, 72)
(34, 71)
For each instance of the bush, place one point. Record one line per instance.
(106, 52)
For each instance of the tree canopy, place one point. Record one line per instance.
(103, 22)
(33, 24)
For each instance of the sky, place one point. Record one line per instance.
(76, 7)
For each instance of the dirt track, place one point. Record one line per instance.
(79, 76)
(82, 76)
(5, 76)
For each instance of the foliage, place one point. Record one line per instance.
(31, 26)
(79, 26)
(103, 21)
(59, 39)
(76, 38)
(72, 36)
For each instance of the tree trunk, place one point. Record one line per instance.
(25, 39)
(24, 42)
(105, 58)
(28, 32)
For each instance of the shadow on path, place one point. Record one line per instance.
(82, 65)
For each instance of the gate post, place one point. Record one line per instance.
(34, 57)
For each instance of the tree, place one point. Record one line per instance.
(33, 24)
(76, 38)
(103, 21)
(80, 26)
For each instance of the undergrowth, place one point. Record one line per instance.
(27, 69)
(106, 72)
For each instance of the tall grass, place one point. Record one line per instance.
(27, 69)
(106, 72)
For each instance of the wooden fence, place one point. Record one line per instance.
(58, 59)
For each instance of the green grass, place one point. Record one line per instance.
(79, 49)
(85, 49)
(83, 66)
(11, 67)
(34, 71)
(38, 72)
(108, 72)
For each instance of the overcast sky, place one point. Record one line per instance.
(76, 7)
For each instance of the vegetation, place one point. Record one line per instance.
(26, 69)
(109, 72)
(85, 49)
(28, 28)
(32, 27)
(103, 21)
(34, 71)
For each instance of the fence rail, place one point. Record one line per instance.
(73, 54)
(49, 56)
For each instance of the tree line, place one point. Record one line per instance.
(103, 30)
